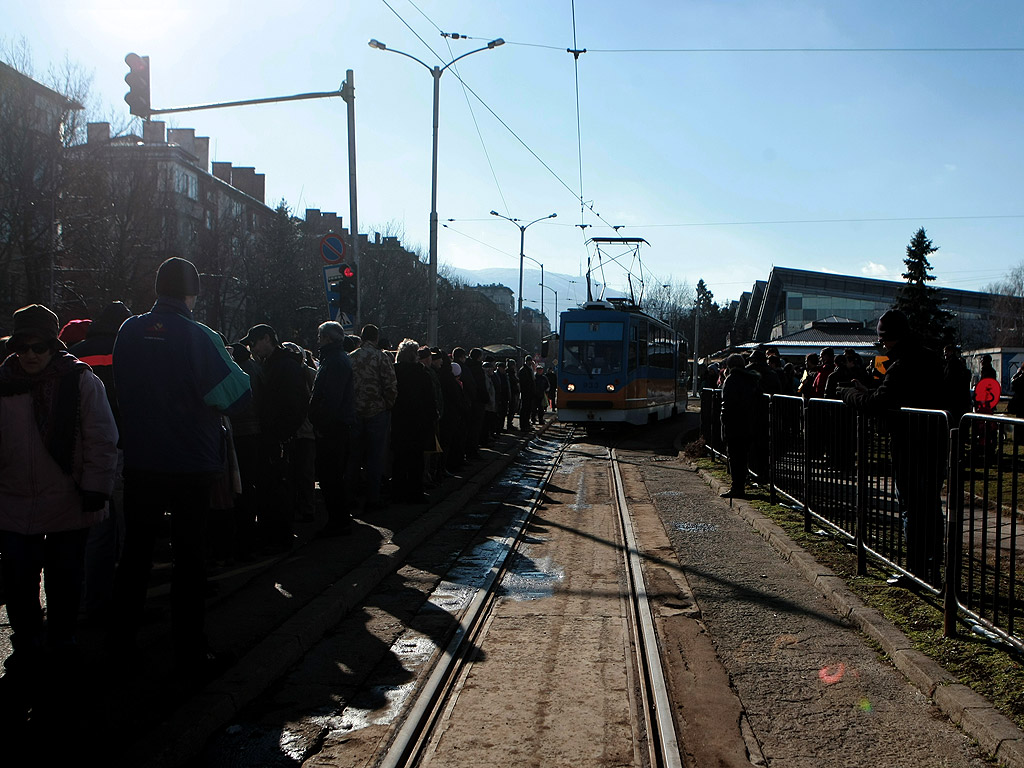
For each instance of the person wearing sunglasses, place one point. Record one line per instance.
(58, 460)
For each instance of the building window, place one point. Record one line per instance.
(186, 183)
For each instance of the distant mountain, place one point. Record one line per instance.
(572, 289)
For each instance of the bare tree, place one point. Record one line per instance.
(1007, 324)
(467, 318)
(37, 126)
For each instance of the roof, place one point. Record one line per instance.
(9, 72)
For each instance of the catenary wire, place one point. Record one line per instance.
(579, 129)
(479, 133)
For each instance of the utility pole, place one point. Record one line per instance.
(348, 93)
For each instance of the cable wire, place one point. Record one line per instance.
(415, 33)
(832, 221)
(479, 133)
(772, 50)
(579, 131)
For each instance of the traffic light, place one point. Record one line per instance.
(138, 81)
(348, 291)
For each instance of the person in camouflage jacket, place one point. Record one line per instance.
(375, 387)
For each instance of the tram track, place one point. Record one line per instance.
(662, 742)
(519, 633)
(414, 739)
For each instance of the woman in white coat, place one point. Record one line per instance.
(58, 458)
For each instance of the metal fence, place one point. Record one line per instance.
(985, 540)
(937, 504)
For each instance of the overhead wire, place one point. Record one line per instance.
(579, 129)
(424, 15)
(414, 32)
(585, 206)
(479, 133)
(832, 221)
(486, 106)
(775, 50)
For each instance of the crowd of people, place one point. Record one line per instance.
(107, 425)
(914, 376)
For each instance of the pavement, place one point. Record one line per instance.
(973, 713)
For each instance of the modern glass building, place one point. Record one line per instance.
(792, 299)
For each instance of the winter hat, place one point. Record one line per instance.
(74, 331)
(893, 325)
(177, 278)
(456, 369)
(258, 332)
(36, 320)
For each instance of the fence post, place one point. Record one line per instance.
(772, 498)
(954, 535)
(862, 494)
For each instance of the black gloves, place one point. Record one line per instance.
(93, 501)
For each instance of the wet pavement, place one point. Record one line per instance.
(266, 613)
(364, 672)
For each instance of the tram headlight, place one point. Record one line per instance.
(610, 387)
(570, 387)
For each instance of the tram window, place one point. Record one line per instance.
(643, 342)
(592, 347)
(591, 357)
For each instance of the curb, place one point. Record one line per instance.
(970, 711)
(185, 733)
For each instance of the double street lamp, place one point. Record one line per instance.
(436, 73)
(522, 257)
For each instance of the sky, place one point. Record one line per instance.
(731, 136)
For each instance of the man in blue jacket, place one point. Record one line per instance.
(174, 380)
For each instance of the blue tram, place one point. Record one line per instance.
(617, 364)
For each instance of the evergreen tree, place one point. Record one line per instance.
(920, 302)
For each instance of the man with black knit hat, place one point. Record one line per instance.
(913, 379)
(174, 380)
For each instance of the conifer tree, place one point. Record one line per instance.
(920, 302)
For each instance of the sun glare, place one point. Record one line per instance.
(143, 20)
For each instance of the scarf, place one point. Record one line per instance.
(56, 401)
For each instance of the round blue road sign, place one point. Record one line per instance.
(332, 248)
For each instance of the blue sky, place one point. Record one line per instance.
(727, 159)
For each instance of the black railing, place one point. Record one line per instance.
(938, 505)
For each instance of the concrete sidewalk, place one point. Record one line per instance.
(973, 713)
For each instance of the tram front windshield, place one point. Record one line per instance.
(592, 347)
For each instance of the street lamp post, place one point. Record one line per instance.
(542, 287)
(522, 256)
(539, 264)
(436, 73)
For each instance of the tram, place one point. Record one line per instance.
(617, 364)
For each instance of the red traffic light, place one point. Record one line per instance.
(348, 271)
(138, 81)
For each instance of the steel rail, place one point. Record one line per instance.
(663, 743)
(413, 735)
